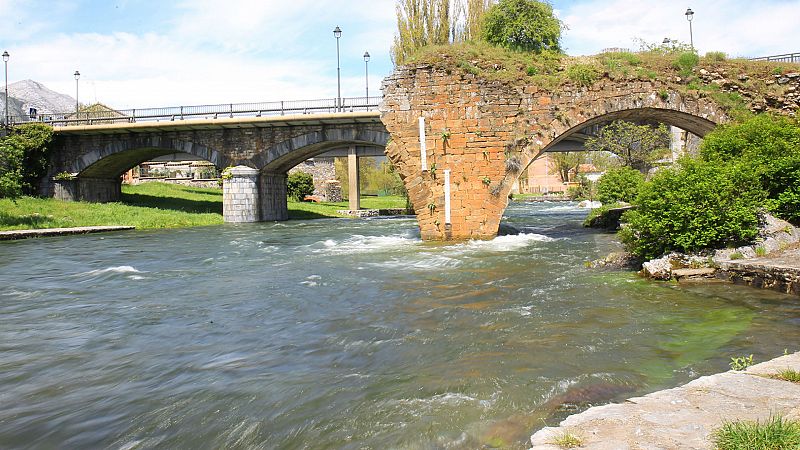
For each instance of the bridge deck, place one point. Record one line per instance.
(220, 123)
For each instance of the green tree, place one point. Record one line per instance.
(694, 206)
(24, 155)
(770, 146)
(566, 163)
(527, 25)
(299, 184)
(621, 184)
(638, 146)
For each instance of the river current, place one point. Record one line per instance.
(351, 334)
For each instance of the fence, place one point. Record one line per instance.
(228, 110)
(788, 57)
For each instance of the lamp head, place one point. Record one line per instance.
(337, 32)
(689, 14)
(366, 56)
(5, 56)
(77, 75)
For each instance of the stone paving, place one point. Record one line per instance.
(684, 417)
(24, 234)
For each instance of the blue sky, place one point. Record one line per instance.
(158, 53)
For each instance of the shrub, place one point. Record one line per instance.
(24, 154)
(694, 206)
(527, 25)
(583, 74)
(685, 62)
(716, 56)
(621, 184)
(299, 184)
(770, 146)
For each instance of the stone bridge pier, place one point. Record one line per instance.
(251, 196)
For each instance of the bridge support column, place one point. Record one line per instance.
(240, 202)
(95, 190)
(273, 197)
(354, 190)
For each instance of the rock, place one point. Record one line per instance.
(617, 261)
(589, 204)
(694, 274)
(783, 80)
(658, 269)
(793, 75)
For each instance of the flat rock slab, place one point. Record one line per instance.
(689, 274)
(684, 417)
(44, 232)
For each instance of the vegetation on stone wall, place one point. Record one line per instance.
(299, 184)
(24, 154)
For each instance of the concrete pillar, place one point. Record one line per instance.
(352, 177)
(240, 202)
(273, 197)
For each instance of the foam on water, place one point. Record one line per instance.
(365, 244)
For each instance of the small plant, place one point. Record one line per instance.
(663, 94)
(736, 255)
(531, 71)
(741, 362)
(431, 207)
(774, 433)
(479, 133)
(513, 164)
(583, 74)
(685, 62)
(778, 70)
(761, 252)
(486, 154)
(445, 136)
(226, 173)
(432, 170)
(567, 440)
(788, 375)
(63, 176)
(716, 56)
(468, 67)
(486, 181)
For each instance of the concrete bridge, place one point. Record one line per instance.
(459, 143)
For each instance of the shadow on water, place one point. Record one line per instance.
(177, 204)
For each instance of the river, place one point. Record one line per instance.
(351, 334)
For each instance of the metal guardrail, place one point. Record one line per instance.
(228, 110)
(788, 57)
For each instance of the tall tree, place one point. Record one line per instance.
(566, 163)
(639, 146)
(527, 25)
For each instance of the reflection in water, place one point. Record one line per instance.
(346, 334)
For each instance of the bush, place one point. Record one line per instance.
(299, 184)
(527, 25)
(694, 206)
(770, 146)
(24, 154)
(583, 74)
(716, 56)
(621, 184)
(686, 62)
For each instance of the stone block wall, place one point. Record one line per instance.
(240, 195)
(322, 169)
(487, 132)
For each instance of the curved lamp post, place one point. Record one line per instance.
(337, 33)
(77, 77)
(366, 72)
(5, 64)
(689, 16)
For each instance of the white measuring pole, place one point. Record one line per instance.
(423, 149)
(447, 196)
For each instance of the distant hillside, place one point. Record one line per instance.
(31, 94)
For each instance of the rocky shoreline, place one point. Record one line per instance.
(684, 417)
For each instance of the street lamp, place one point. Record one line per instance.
(5, 67)
(337, 33)
(77, 77)
(689, 17)
(366, 72)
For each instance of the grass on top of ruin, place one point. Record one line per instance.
(674, 63)
(152, 205)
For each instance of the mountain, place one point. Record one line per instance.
(32, 94)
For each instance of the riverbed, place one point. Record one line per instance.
(343, 333)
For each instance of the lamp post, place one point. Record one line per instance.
(689, 17)
(77, 77)
(366, 72)
(5, 67)
(337, 33)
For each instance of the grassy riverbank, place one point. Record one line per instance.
(152, 205)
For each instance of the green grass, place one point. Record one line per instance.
(567, 440)
(775, 433)
(152, 205)
(788, 375)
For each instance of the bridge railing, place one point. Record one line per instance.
(787, 57)
(227, 110)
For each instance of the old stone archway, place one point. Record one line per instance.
(484, 133)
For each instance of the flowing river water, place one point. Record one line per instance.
(349, 334)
